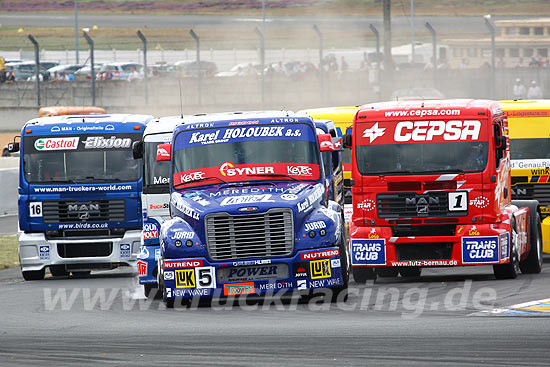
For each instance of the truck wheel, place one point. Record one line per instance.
(344, 268)
(81, 274)
(34, 274)
(410, 271)
(387, 272)
(362, 273)
(511, 269)
(151, 290)
(58, 271)
(533, 263)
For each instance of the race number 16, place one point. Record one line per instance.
(35, 209)
(458, 201)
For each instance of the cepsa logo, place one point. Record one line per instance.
(228, 169)
(56, 143)
(430, 130)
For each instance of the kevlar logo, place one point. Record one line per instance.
(142, 268)
(44, 252)
(320, 269)
(125, 250)
(368, 251)
(479, 250)
(235, 289)
(504, 241)
(185, 278)
(300, 270)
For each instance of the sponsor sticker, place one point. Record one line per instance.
(315, 225)
(368, 251)
(182, 264)
(150, 231)
(125, 250)
(142, 268)
(289, 197)
(143, 253)
(504, 243)
(183, 235)
(44, 252)
(320, 269)
(366, 205)
(168, 275)
(300, 270)
(480, 202)
(235, 289)
(185, 278)
(479, 250)
(253, 272)
(335, 263)
(246, 199)
(47, 144)
(157, 254)
(113, 142)
(319, 254)
(301, 284)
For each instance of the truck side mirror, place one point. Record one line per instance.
(164, 152)
(13, 147)
(137, 149)
(325, 143)
(500, 142)
(347, 141)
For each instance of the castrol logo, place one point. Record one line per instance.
(437, 130)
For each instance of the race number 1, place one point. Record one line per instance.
(458, 201)
(36, 209)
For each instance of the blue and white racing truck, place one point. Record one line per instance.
(79, 194)
(250, 211)
(155, 198)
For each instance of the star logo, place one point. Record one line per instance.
(374, 132)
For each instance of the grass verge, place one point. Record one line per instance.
(9, 257)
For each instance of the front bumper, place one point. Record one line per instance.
(484, 244)
(147, 264)
(199, 277)
(37, 252)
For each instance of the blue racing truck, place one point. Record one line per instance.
(155, 198)
(79, 194)
(249, 209)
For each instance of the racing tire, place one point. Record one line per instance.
(81, 274)
(511, 269)
(151, 290)
(34, 274)
(388, 272)
(362, 273)
(533, 263)
(410, 271)
(58, 271)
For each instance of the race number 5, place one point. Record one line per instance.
(36, 209)
(206, 277)
(458, 201)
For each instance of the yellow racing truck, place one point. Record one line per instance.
(343, 118)
(529, 129)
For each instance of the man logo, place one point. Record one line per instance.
(320, 269)
(185, 278)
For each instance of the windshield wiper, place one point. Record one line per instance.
(246, 183)
(452, 170)
(58, 181)
(275, 175)
(391, 173)
(91, 178)
(199, 179)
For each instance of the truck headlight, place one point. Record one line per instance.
(189, 243)
(178, 243)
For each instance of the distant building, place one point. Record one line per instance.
(519, 42)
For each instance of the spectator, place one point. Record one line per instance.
(108, 74)
(10, 79)
(521, 63)
(465, 63)
(134, 74)
(533, 63)
(534, 92)
(343, 65)
(519, 89)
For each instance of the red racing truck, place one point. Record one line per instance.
(431, 188)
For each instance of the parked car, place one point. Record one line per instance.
(26, 69)
(120, 70)
(242, 69)
(416, 93)
(191, 68)
(84, 72)
(62, 68)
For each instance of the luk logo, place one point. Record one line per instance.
(185, 278)
(428, 130)
(320, 269)
(300, 171)
(56, 143)
(374, 132)
(235, 289)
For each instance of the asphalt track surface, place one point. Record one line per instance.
(442, 323)
(441, 23)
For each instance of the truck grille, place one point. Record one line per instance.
(83, 211)
(413, 205)
(539, 191)
(245, 236)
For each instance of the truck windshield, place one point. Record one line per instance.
(530, 148)
(156, 175)
(272, 152)
(80, 159)
(422, 158)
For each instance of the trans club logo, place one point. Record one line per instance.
(142, 268)
(374, 132)
(368, 252)
(477, 250)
